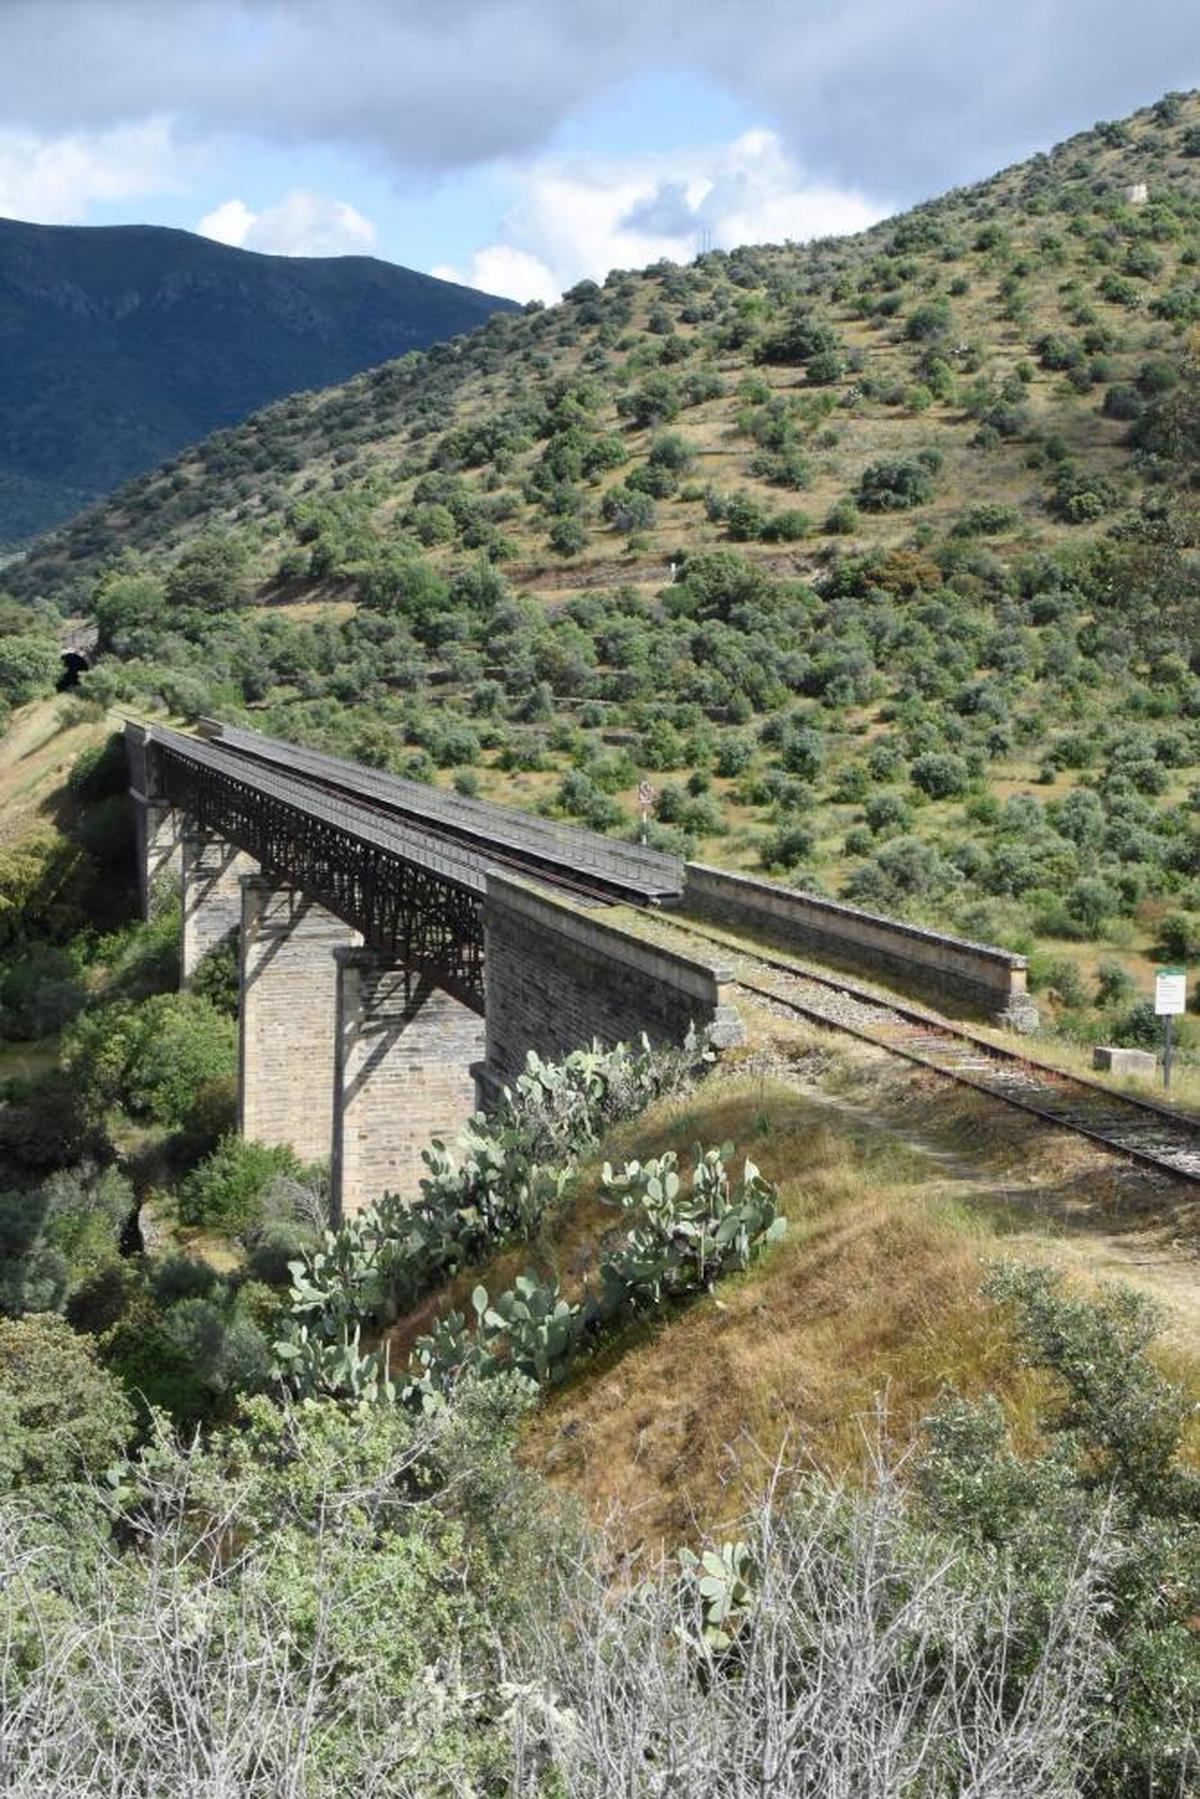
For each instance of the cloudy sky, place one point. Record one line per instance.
(521, 144)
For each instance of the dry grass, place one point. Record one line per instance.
(899, 1192)
(875, 1288)
(36, 754)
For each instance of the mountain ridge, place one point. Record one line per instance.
(124, 343)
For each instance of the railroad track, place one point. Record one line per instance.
(1149, 1134)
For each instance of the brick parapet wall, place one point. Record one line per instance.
(404, 1057)
(943, 966)
(559, 975)
(287, 1017)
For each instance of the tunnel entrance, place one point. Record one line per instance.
(74, 664)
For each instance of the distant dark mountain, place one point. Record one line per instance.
(118, 345)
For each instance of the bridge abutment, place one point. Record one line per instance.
(211, 873)
(559, 975)
(287, 1017)
(403, 1075)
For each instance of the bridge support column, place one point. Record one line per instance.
(156, 824)
(212, 896)
(403, 1075)
(159, 851)
(287, 1017)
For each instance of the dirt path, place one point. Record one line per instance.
(1048, 1196)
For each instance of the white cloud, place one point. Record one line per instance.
(53, 180)
(503, 269)
(228, 223)
(911, 94)
(583, 216)
(302, 224)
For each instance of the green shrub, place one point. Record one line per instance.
(179, 1277)
(30, 665)
(788, 847)
(1111, 1465)
(1179, 937)
(568, 537)
(1115, 986)
(226, 1191)
(1066, 982)
(1139, 1028)
(930, 321)
(59, 1234)
(40, 993)
(1090, 902)
(887, 811)
(63, 1418)
(1082, 496)
(213, 1114)
(826, 367)
(152, 1058)
(894, 484)
(215, 977)
(904, 869)
(790, 526)
(803, 335)
(940, 774)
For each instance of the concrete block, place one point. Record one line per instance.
(1113, 1060)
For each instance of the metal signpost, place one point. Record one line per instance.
(647, 794)
(1170, 1000)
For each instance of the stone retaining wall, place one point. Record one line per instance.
(559, 975)
(994, 980)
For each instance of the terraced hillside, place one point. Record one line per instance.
(877, 555)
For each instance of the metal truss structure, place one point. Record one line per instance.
(416, 899)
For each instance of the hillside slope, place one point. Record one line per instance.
(880, 554)
(120, 344)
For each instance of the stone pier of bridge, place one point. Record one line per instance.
(403, 1075)
(210, 871)
(287, 1017)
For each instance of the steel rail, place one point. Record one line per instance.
(1182, 1125)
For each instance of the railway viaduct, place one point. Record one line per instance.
(401, 948)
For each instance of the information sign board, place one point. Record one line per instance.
(1170, 991)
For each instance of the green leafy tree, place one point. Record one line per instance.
(210, 576)
(30, 665)
(226, 1191)
(63, 1418)
(894, 484)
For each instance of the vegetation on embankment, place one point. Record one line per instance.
(874, 1290)
(127, 1203)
